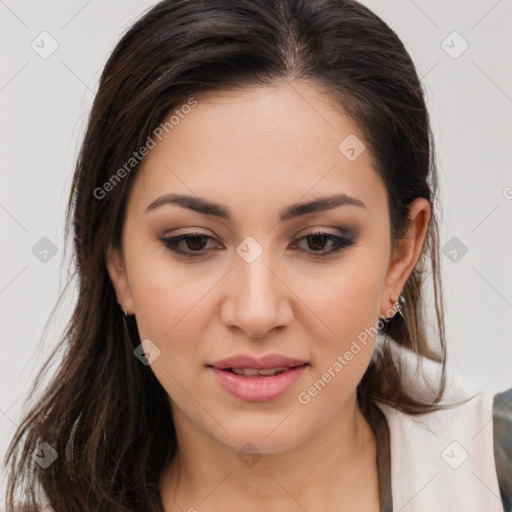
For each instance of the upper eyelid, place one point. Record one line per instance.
(341, 232)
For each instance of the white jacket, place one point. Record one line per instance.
(454, 460)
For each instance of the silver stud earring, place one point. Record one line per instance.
(397, 307)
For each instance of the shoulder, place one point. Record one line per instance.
(451, 448)
(502, 432)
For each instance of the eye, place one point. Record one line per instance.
(319, 239)
(194, 244)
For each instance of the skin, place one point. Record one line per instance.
(257, 151)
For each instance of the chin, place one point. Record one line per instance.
(264, 438)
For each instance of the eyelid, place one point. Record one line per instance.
(187, 231)
(341, 232)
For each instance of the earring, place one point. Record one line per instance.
(397, 306)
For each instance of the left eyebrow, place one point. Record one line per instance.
(295, 210)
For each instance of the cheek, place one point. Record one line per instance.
(170, 308)
(171, 312)
(345, 303)
(344, 341)
(169, 297)
(348, 306)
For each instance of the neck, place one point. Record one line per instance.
(337, 463)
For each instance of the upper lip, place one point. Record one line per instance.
(259, 363)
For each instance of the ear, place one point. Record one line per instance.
(406, 253)
(117, 271)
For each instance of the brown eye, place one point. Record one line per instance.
(188, 244)
(318, 242)
(195, 243)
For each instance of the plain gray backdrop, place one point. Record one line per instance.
(463, 53)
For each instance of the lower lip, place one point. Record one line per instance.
(257, 389)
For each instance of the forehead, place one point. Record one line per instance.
(260, 144)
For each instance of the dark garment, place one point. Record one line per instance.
(502, 429)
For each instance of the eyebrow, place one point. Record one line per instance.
(217, 210)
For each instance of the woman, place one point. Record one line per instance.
(254, 216)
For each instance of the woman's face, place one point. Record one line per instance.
(254, 282)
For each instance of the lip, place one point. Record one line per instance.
(259, 363)
(258, 389)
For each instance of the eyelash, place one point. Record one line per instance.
(339, 243)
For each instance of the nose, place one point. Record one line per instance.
(259, 301)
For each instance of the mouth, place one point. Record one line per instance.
(258, 385)
(254, 372)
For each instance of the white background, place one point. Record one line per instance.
(44, 104)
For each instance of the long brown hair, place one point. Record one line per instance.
(105, 414)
